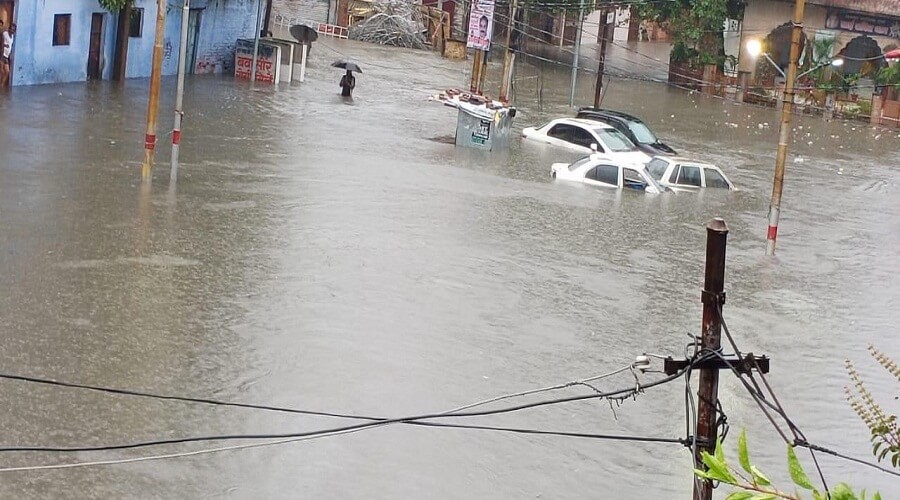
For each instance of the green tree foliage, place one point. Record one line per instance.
(752, 484)
(113, 5)
(884, 429)
(695, 25)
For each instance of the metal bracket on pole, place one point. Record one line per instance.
(742, 365)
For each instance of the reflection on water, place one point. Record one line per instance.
(335, 257)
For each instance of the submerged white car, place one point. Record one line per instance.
(576, 134)
(601, 170)
(686, 175)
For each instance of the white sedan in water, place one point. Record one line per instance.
(681, 174)
(583, 136)
(601, 170)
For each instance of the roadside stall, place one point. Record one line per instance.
(481, 122)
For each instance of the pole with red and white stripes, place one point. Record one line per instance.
(179, 92)
(784, 131)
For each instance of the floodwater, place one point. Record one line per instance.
(334, 256)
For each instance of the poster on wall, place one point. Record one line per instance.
(268, 67)
(481, 25)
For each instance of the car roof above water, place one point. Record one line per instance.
(584, 122)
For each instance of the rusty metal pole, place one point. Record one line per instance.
(509, 57)
(784, 131)
(476, 71)
(713, 297)
(153, 101)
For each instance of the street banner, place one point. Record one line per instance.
(268, 61)
(481, 25)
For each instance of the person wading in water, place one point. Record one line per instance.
(348, 83)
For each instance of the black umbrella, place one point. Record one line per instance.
(348, 65)
(303, 33)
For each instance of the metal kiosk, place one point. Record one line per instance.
(480, 127)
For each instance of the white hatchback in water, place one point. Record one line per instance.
(601, 170)
(581, 135)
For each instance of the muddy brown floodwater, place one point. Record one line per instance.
(333, 256)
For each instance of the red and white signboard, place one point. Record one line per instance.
(268, 61)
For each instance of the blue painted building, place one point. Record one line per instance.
(74, 40)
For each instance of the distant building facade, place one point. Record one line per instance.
(74, 40)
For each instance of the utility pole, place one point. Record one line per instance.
(475, 82)
(153, 101)
(601, 66)
(784, 131)
(179, 90)
(713, 298)
(708, 364)
(256, 42)
(577, 51)
(510, 57)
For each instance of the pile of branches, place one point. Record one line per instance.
(393, 22)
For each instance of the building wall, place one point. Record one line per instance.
(762, 16)
(140, 49)
(222, 23)
(320, 11)
(37, 60)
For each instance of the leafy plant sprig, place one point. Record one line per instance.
(752, 484)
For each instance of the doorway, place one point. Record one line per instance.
(96, 47)
(190, 56)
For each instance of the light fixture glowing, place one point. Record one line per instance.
(754, 48)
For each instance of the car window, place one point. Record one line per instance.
(642, 133)
(614, 140)
(657, 168)
(689, 176)
(607, 174)
(673, 177)
(632, 179)
(560, 131)
(714, 179)
(578, 163)
(582, 137)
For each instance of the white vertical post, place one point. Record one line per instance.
(304, 49)
(179, 91)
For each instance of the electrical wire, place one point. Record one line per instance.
(314, 434)
(215, 402)
(796, 431)
(454, 413)
(802, 443)
(630, 392)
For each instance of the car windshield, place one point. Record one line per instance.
(642, 133)
(657, 167)
(579, 162)
(614, 140)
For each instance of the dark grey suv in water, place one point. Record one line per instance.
(632, 127)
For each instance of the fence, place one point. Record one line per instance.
(326, 29)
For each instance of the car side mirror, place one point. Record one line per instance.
(594, 147)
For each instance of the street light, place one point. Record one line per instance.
(837, 63)
(754, 48)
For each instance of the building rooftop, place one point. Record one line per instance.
(877, 7)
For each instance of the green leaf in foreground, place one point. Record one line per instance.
(798, 475)
(743, 454)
